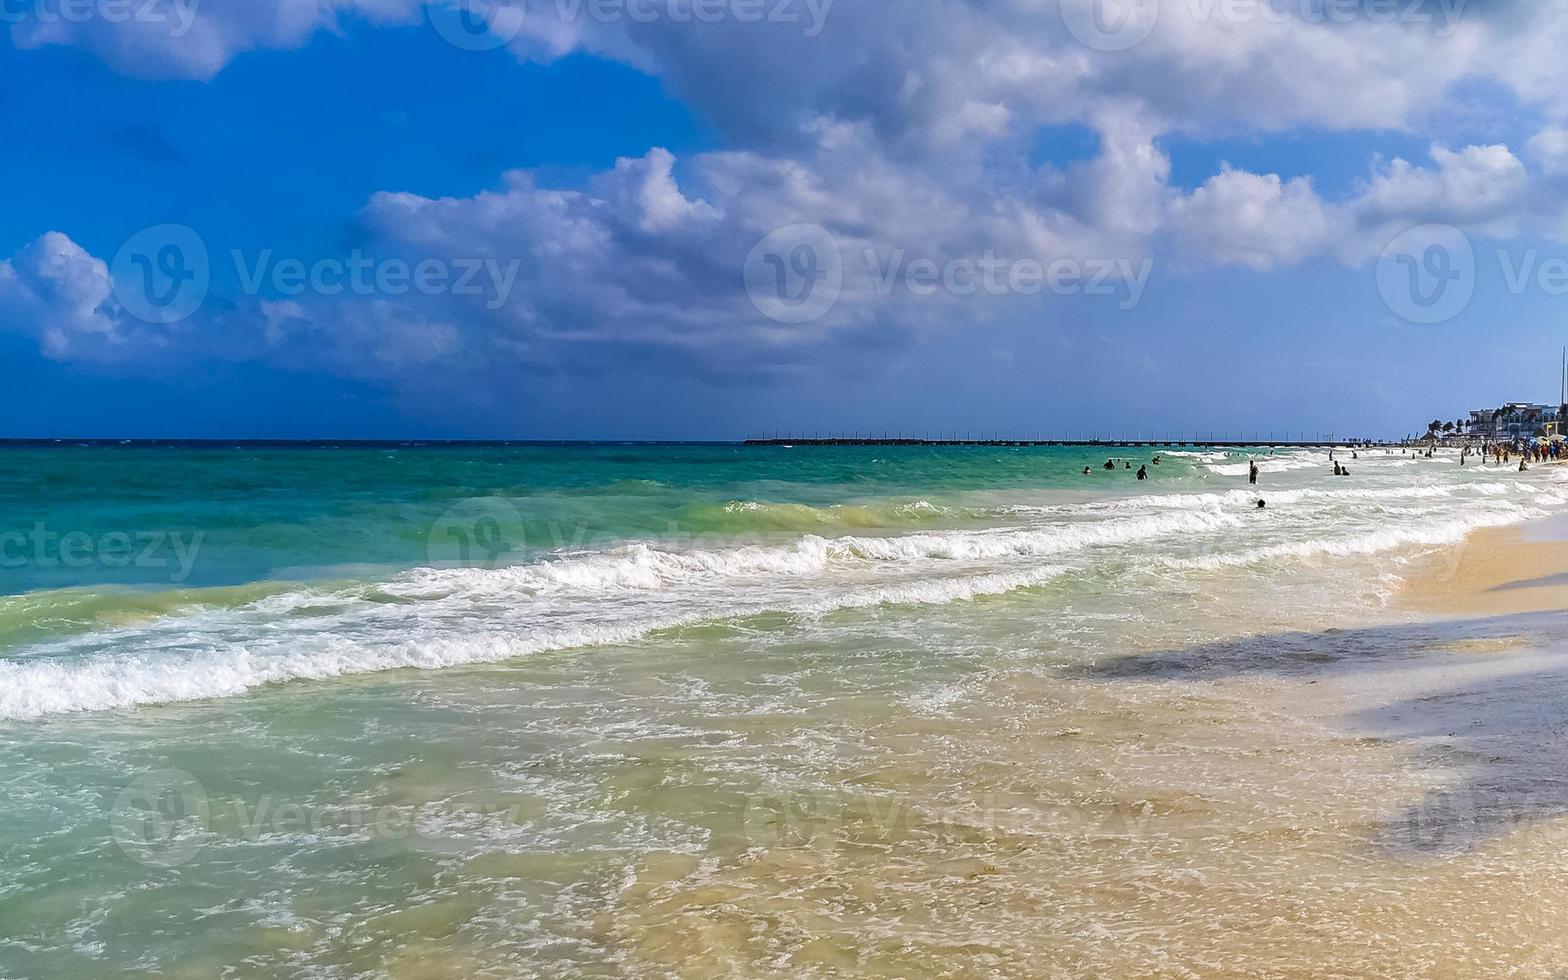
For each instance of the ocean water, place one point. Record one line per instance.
(707, 710)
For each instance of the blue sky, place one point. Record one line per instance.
(1197, 232)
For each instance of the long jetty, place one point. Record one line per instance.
(1113, 443)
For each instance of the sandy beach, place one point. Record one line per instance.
(1495, 571)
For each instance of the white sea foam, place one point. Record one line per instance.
(429, 618)
(218, 669)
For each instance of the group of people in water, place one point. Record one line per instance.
(1498, 452)
(1110, 464)
(1143, 471)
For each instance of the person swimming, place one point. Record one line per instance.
(1262, 504)
(1252, 474)
(1143, 472)
(1110, 464)
(1087, 471)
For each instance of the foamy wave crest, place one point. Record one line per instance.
(1243, 497)
(1271, 464)
(1450, 531)
(743, 516)
(212, 669)
(642, 567)
(226, 643)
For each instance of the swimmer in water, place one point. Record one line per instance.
(1143, 472)
(1087, 471)
(1262, 504)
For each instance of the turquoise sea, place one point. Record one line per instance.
(714, 710)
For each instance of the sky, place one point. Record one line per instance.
(712, 219)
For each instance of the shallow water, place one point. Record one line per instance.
(721, 711)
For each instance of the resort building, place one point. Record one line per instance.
(1515, 420)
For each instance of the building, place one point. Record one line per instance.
(1483, 421)
(1515, 420)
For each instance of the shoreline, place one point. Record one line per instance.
(1517, 568)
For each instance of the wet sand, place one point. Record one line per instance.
(1494, 572)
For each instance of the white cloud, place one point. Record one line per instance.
(905, 130)
(939, 74)
(56, 291)
(1477, 184)
(1253, 220)
(196, 39)
(1549, 149)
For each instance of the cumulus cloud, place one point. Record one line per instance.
(1254, 220)
(1478, 186)
(935, 74)
(56, 291)
(1260, 221)
(1549, 149)
(194, 39)
(650, 256)
(904, 131)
